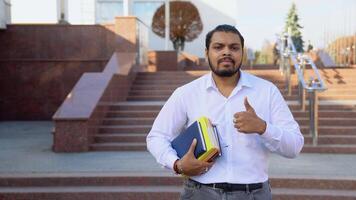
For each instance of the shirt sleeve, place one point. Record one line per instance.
(167, 125)
(282, 134)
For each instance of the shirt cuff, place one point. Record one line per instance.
(170, 161)
(271, 133)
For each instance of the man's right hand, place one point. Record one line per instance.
(190, 165)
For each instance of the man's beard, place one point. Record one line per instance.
(224, 72)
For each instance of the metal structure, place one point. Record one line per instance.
(290, 57)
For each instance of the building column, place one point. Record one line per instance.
(62, 10)
(167, 19)
(127, 5)
(5, 16)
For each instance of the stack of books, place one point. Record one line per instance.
(208, 144)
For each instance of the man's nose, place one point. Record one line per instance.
(226, 52)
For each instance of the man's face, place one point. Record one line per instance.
(224, 54)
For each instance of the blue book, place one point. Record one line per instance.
(183, 141)
(208, 144)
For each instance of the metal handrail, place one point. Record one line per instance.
(288, 52)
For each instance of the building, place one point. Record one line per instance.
(5, 16)
(257, 20)
(104, 11)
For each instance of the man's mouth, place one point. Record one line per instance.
(226, 61)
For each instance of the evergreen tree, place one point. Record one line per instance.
(294, 27)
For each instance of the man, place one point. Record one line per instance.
(252, 118)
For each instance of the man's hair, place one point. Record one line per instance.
(222, 28)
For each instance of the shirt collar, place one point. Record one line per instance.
(243, 81)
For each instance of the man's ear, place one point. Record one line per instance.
(206, 53)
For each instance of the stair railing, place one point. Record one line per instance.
(289, 56)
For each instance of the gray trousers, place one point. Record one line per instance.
(194, 191)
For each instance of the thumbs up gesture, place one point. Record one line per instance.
(248, 121)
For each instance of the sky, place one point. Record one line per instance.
(257, 20)
(260, 20)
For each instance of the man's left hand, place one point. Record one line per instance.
(248, 121)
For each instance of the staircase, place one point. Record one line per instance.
(158, 187)
(127, 123)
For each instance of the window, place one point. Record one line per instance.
(107, 10)
(145, 10)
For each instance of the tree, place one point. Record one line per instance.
(185, 23)
(266, 54)
(293, 26)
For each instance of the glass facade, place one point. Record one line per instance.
(145, 10)
(106, 10)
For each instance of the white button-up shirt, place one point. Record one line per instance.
(244, 157)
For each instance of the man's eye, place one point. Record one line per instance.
(235, 48)
(217, 47)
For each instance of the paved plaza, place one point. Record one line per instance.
(25, 148)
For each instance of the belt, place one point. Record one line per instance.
(232, 187)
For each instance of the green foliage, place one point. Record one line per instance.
(294, 27)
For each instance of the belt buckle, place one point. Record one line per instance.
(247, 188)
(227, 187)
(214, 185)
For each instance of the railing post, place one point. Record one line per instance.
(281, 54)
(287, 76)
(286, 66)
(300, 85)
(313, 112)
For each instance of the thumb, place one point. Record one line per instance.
(248, 106)
(192, 146)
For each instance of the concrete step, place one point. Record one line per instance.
(175, 84)
(328, 121)
(92, 193)
(332, 139)
(141, 138)
(125, 129)
(349, 87)
(128, 121)
(168, 79)
(301, 121)
(308, 148)
(151, 92)
(154, 192)
(337, 97)
(157, 90)
(326, 113)
(146, 186)
(155, 179)
(165, 97)
(120, 107)
(331, 130)
(153, 87)
(305, 194)
(323, 130)
(116, 146)
(121, 138)
(144, 106)
(330, 148)
(296, 113)
(339, 93)
(132, 114)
